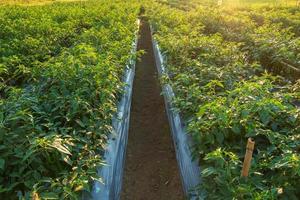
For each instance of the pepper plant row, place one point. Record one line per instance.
(225, 96)
(61, 68)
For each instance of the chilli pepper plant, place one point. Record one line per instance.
(216, 64)
(61, 69)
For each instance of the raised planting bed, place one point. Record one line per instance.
(189, 169)
(112, 172)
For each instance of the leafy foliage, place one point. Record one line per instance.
(215, 63)
(61, 76)
(273, 43)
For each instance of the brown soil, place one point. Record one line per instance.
(151, 170)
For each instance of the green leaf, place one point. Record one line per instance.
(67, 159)
(236, 129)
(57, 144)
(2, 163)
(49, 195)
(265, 117)
(208, 171)
(28, 154)
(80, 123)
(219, 136)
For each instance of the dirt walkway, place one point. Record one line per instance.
(151, 171)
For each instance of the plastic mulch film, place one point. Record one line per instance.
(189, 168)
(115, 152)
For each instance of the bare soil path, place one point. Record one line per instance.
(151, 170)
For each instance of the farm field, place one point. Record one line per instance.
(234, 67)
(219, 61)
(34, 2)
(61, 70)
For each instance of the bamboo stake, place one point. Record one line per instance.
(248, 157)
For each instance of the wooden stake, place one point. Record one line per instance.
(248, 157)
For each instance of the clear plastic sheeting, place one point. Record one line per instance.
(114, 155)
(189, 168)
